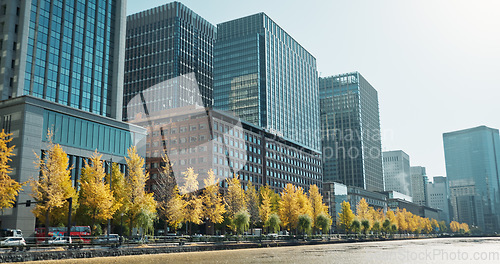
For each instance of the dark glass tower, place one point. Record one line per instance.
(351, 132)
(472, 166)
(65, 51)
(267, 78)
(164, 43)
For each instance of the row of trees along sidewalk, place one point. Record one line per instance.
(94, 202)
(234, 209)
(368, 220)
(128, 204)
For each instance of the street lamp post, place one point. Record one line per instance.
(121, 225)
(110, 185)
(68, 232)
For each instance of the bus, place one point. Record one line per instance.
(78, 233)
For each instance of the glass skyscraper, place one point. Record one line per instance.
(472, 166)
(62, 70)
(419, 183)
(350, 128)
(163, 43)
(267, 78)
(65, 51)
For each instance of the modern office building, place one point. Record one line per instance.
(420, 210)
(467, 206)
(168, 59)
(438, 196)
(397, 172)
(334, 194)
(67, 52)
(374, 199)
(267, 78)
(472, 166)
(78, 132)
(62, 70)
(419, 182)
(350, 128)
(204, 139)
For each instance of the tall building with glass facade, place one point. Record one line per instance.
(65, 51)
(350, 129)
(419, 183)
(62, 70)
(267, 78)
(168, 59)
(397, 172)
(472, 166)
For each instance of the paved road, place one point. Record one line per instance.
(438, 250)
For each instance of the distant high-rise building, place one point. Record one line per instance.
(397, 172)
(419, 182)
(472, 166)
(67, 52)
(438, 196)
(350, 128)
(267, 78)
(168, 59)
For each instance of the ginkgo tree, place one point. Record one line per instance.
(170, 204)
(175, 209)
(213, 206)
(142, 205)
(194, 205)
(9, 188)
(252, 198)
(120, 193)
(346, 216)
(235, 200)
(363, 214)
(95, 196)
(265, 205)
(53, 187)
(289, 208)
(318, 208)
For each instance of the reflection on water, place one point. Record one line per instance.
(438, 250)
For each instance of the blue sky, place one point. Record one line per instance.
(435, 63)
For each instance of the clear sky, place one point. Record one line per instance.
(434, 63)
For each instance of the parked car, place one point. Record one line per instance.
(273, 235)
(112, 238)
(13, 241)
(58, 240)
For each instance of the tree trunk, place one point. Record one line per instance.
(130, 227)
(93, 223)
(47, 224)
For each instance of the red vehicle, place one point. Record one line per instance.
(78, 233)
